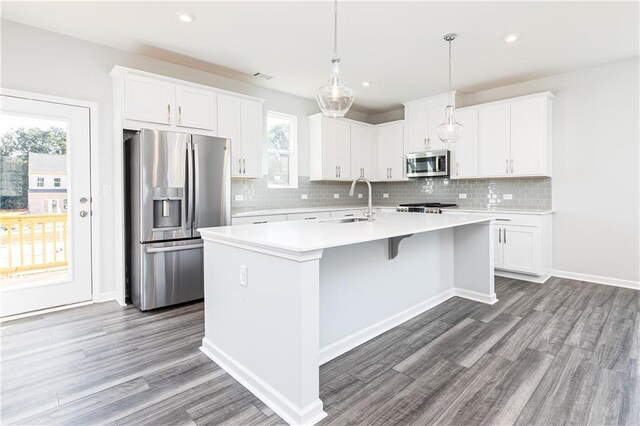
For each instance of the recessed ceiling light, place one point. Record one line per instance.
(186, 17)
(510, 38)
(366, 83)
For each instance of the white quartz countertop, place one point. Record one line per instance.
(304, 236)
(498, 211)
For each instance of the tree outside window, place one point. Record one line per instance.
(282, 170)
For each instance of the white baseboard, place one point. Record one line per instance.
(616, 282)
(475, 296)
(541, 279)
(342, 346)
(292, 414)
(104, 297)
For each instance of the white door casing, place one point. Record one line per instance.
(76, 286)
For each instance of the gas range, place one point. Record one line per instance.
(434, 208)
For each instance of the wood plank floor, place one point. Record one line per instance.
(565, 352)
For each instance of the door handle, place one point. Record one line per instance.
(174, 248)
(179, 114)
(84, 213)
(169, 113)
(83, 200)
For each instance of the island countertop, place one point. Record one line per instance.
(305, 236)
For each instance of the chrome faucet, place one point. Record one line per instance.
(369, 213)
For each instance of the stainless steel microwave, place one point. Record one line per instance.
(428, 163)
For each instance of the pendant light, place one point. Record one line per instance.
(450, 130)
(334, 98)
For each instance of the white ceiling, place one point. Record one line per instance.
(397, 45)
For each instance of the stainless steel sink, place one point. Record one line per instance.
(346, 220)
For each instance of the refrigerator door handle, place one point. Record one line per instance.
(189, 189)
(173, 248)
(195, 161)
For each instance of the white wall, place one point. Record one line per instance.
(40, 61)
(596, 180)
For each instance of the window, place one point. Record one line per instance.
(40, 182)
(56, 182)
(282, 159)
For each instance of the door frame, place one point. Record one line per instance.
(96, 293)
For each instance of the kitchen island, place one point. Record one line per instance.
(283, 298)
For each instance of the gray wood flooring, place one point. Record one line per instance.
(565, 352)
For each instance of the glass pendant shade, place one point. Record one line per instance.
(334, 98)
(450, 130)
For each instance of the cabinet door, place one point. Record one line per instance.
(391, 157)
(417, 131)
(343, 149)
(148, 99)
(435, 117)
(336, 147)
(521, 249)
(527, 137)
(465, 150)
(363, 151)
(498, 248)
(252, 138)
(196, 108)
(493, 140)
(230, 126)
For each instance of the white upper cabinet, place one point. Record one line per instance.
(391, 157)
(330, 148)
(464, 163)
(435, 117)
(493, 139)
(241, 121)
(417, 130)
(196, 108)
(364, 152)
(529, 133)
(148, 99)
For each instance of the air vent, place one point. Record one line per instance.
(262, 75)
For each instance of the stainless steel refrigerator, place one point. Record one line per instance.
(176, 183)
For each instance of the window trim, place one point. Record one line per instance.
(40, 182)
(292, 152)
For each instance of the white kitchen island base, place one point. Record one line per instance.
(317, 290)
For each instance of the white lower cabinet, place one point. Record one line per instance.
(518, 249)
(256, 220)
(348, 213)
(309, 216)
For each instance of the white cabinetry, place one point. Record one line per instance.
(196, 108)
(241, 121)
(391, 159)
(148, 99)
(493, 140)
(309, 216)
(364, 153)
(464, 163)
(330, 148)
(422, 118)
(520, 249)
(256, 220)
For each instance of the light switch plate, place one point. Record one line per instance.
(507, 196)
(303, 196)
(239, 198)
(359, 195)
(385, 195)
(244, 281)
(336, 195)
(463, 196)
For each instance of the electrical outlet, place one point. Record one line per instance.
(359, 195)
(239, 198)
(507, 196)
(244, 281)
(385, 195)
(463, 196)
(303, 196)
(336, 195)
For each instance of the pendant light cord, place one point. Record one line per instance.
(450, 97)
(335, 29)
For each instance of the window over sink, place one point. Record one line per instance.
(282, 159)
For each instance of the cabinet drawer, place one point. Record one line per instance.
(258, 219)
(309, 216)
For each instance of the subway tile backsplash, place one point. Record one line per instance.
(526, 194)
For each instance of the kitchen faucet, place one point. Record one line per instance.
(369, 213)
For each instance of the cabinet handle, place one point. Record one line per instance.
(390, 172)
(260, 221)
(336, 171)
(504, 220)
(506, 166)
(505, 235)
(244, 166)
(179, 114)
(169, 113)
(239, 166)
(499, 235)
(339, 172)
(512, 166)
(457, 169)
(426, 145)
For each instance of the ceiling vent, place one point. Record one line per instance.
(262, 75)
